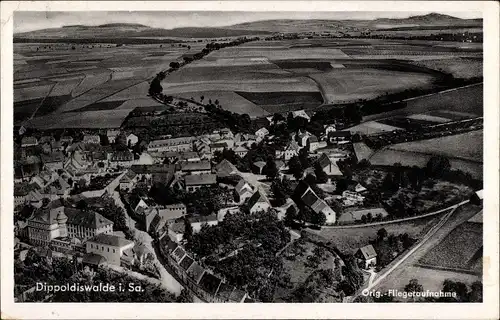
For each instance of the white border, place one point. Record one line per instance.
(487, 310)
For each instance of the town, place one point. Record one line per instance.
(185, 200)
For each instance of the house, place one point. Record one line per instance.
(241, 151)
(329, 128)
(111, 247)
(352, 198)
(91, 138)
(366, 256)
(66, 139)
(112, 134)
(304, 195)
(176, 231)
(291, 150)
(57, 188)
(197, 222)
(203, 148)
(258, 202)
(56, 221)
(172, 144)
(301, 113)
(328, 166)
(313, 143)
(225, 169)
(155, 173)
(359, 188)
(245, 139)
(172, 212)
(128, 181)
(258, 166)
(29, 142)
(53, 160)
(196, 181)
(244, 190)
(339, 137)
(261, 133)
(132, 140)
(122, 158)
(196, 167)
(219, 146)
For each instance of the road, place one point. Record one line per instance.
(460, 214)
(166, 279)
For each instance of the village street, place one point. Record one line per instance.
(141, 237)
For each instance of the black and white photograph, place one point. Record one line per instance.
(248, 156)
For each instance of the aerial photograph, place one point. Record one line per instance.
(248, 156)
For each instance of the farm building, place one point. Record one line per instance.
(301, 113)
(367, 257)
(258, 202)
(225, 169)
(258, 166)
(291, 150)
(172, 144)
(196, 167)
(244, 190)
(339, 137)
(196, 181)
(304, 195)
(328, 166)
(261, 133)
(29, 142)
(91, 138)
(241, 151)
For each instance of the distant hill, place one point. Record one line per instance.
(422, 21)
(130, 30)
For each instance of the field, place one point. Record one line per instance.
(84, 75)
(350, 84)
(459, 68)
(350, 239)
(463, 100)
(459, 250)
(355, 215)
(362, 151)
(467, 146)
(81, 120)
(372, 127)
(246, 78)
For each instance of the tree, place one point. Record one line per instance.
(174, 65)
(318, 218)
(341, 186)
(321, 176)
(381, 234)
(295, 167)
(202, 98)
(270, 169)
(437, 166)
(414, 286)
(188, 232)
(290, 216)
(277, 117)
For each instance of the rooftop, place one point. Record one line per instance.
(368, 252)
(200, 179)
(111, 240)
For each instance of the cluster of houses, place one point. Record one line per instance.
(87, 234)
(47, 171)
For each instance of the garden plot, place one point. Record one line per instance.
(344, 85)
(355, 215)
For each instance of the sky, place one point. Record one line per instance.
(35, 20)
